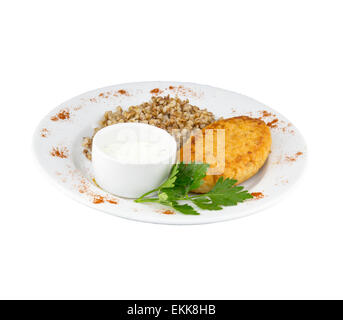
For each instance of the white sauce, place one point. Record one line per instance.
(137, 151)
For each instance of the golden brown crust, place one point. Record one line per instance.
(247, 146)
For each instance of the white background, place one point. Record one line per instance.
(286, 54)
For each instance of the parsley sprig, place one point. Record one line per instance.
(186, 177)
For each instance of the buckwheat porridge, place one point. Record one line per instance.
(176, 116)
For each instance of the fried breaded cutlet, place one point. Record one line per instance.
(240, 156)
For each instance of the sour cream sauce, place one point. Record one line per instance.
(137, 151)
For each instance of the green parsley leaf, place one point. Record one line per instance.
(169, 183)
(185, 208)
(162, 196)
(175, 193)
(206, 204)
(190, 175)
(186, 177)
(224, 193)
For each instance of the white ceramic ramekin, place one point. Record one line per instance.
(131, 180)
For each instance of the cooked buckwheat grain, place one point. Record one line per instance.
(176, 116)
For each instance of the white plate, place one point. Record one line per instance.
(72, 172)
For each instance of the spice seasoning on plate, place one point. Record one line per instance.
(44, 132)
(155, 91)
(60, 152)
(62, 115)
(98, 199)
(257, 195)
(295, 157)
(167, 212)
(112, 201)
(265, 114)
(94, 197)
(272, 124)
(123, 92)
